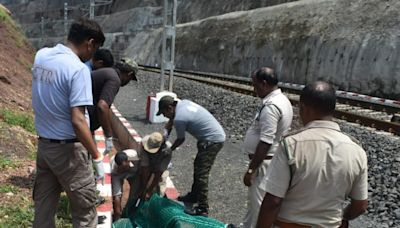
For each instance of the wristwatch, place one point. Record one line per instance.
(249, 171)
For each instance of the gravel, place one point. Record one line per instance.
(235, 112)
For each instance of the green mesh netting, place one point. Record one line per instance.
(161, 212)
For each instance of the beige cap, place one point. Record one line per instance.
(152, 143)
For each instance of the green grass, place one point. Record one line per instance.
(32, 154)
(21, 213)
(14, 29)
(3, 15)
(7, 163)
(16, 216)
(64, 218)
(16, 118)
(8, 188)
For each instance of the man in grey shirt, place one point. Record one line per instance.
(188, 116)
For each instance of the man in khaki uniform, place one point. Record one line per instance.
(315, 170)
(271, 122)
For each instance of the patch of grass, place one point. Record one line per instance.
(64, 218)
(13, 214)
(3, 15)
(8, 188)
(14, 29)
(16, 118)
(32, 154)
(7, 163)
(21, 213)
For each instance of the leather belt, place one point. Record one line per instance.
(282, 224)
(64, 141)
(268, 157)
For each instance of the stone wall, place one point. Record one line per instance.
(129, 21)
(353, 44)
(31, 11)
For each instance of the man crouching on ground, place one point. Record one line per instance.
(152, 159)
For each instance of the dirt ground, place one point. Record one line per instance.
(17, 145)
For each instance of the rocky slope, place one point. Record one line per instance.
(15, 65)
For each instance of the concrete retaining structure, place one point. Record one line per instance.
(352, 44)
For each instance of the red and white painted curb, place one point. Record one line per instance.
(170, 190)
(105, 189)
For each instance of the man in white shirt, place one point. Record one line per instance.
(271, 122)
(315, 169)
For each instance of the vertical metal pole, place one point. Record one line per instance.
(171, 71)
(164, 45)
(91, 9)
(42, 31)
(65, 18)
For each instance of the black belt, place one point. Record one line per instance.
(268, 157)
(64, 141)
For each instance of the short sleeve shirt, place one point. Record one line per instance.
(327, 167)
(157, 162)
(106, 84)
(199, 122)
(60, 81)
(271, 122)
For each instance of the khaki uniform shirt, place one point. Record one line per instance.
(271, 122)
(327, 167)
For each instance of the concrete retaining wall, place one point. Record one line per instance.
(353, 44)
(31, 11)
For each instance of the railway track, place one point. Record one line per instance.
(364, 110)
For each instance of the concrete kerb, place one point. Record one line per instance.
(126, 138)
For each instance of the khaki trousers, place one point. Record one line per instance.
(64, 167)
(255, 197)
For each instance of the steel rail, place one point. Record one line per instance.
(367, 102)
(244, 88)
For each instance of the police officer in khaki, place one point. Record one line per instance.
(314, 170)
(271, 122)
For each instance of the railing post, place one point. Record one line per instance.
(169, 33)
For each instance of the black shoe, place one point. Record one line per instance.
(201, 211)
(188, 198)
(101, 219)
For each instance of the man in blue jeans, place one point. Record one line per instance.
(61, 90)
(188, 116)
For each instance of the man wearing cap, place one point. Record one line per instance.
(106, 83)
(188, 116)
(271, 122)
(315, 170)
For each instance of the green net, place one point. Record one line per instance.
(162, 212)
